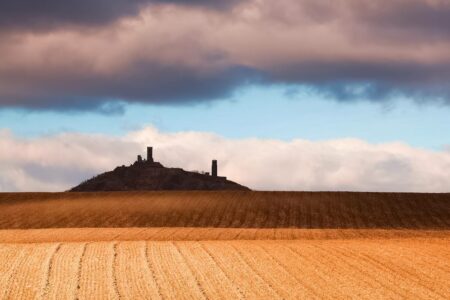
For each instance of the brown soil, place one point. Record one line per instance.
(227, 209)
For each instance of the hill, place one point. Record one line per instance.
(148, 175)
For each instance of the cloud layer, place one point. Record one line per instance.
(48, 14)
(56, 163)
(82, 55)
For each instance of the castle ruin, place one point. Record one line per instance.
(151, 161)
(147, 174)
(150, 154)
(214, 168)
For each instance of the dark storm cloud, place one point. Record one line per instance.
(220, 4)
(349, 80)
(49, 13)
(201, 50)
(411, 18)
(45, 14)
(146, 83)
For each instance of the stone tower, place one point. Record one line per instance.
(214, 168)
(149, 154)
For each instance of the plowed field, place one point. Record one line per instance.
(224, 246)
(225, 210)
(227, 270)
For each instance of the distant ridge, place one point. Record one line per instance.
(148, 175)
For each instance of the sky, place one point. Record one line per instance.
(288, 95)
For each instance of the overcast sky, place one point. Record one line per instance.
(288, 94)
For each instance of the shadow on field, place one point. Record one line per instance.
(230, 209)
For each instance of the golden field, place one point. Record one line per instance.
(331, 269)
(224, 245)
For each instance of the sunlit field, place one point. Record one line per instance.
(224, 245)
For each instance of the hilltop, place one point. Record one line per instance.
(148, 175)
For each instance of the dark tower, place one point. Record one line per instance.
(139, 159)
(150, 154)
(214, 168)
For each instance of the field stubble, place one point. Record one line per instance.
(321, 210)
(230, 245)
(329, 269)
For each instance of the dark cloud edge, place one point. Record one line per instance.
(163, 85)
(31, 15)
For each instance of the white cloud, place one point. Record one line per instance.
(56, 163)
